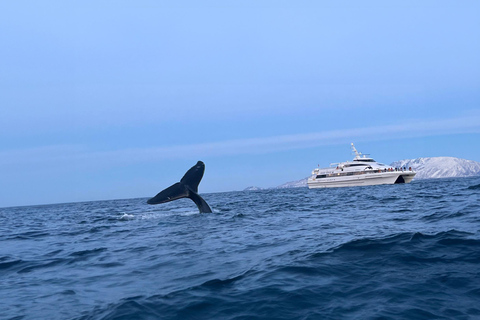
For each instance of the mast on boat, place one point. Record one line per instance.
(357, 154)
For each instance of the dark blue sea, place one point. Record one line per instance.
(408, 251)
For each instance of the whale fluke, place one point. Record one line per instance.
(186, 188)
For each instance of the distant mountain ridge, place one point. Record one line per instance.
(426, 168)
(440, 167)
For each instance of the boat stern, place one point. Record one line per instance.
(408, 177)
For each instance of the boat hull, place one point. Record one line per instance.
(370, 179)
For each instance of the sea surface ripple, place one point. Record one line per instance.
(408, 251)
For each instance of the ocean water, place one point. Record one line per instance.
(408, 251)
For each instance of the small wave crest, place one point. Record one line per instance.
(444, 244)
(4, 265)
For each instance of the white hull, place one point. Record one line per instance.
(368, 179)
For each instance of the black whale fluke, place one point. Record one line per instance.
(186, 188)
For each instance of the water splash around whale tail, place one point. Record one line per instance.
(186, 188)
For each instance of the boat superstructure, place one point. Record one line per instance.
(361, 171)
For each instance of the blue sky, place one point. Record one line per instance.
(117, 99)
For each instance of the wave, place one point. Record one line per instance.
(29, 266)
(10, 264)
(412, 246)
(475, 187)
(48, 261)
(29, 235)
(86, 253)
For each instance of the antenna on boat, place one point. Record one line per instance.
(357, 154)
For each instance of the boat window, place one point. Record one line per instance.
(353, 165)
(341, 174)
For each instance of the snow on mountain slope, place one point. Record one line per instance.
(294, 184)
(440, 167)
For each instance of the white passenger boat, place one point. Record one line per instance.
(361, 171)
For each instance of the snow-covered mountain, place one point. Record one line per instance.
(253, 188)
(426, 168)
(440, 167)
(294, 184)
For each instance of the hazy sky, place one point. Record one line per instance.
(117, 99)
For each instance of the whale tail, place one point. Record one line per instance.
(186, 188)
